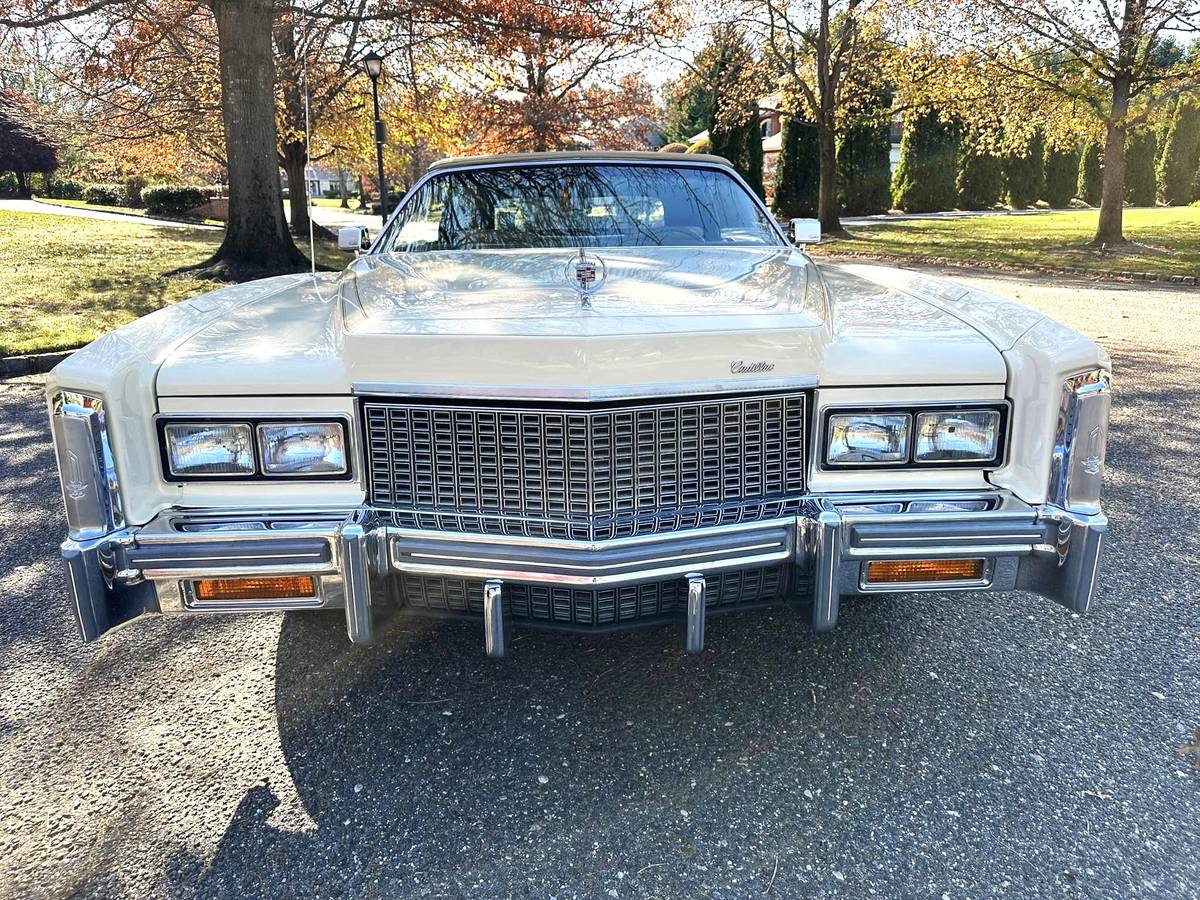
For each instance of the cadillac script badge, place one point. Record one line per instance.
(586, 274)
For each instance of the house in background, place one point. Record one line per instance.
(770, 126)
(321, 180)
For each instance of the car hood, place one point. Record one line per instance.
(679, 319)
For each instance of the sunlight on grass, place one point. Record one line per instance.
(64, 280)
(1167, 241)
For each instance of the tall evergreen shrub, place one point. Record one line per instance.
(1062, 175)
(1091, 174)
(798, 173)
(1024, 175)
(924, 179)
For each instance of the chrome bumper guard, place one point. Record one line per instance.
(352, 555)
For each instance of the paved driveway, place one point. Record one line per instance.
(35, 206)
(945, 746)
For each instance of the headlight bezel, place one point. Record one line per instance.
(913, 410)
(255, 423)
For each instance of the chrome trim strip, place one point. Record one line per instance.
(483, 560)
(493, 618)
(517, 574)
(828, 555)
(937, 551)
(696, 599)
(403, 389)
(355, 576)
(179, 574)
(610, 544)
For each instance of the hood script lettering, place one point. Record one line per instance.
(741, 367)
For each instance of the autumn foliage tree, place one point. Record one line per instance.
(536, 64)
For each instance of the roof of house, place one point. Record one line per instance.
(567, 155)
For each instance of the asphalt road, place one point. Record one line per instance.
(939, 746)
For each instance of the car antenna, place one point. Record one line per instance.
(312, 237)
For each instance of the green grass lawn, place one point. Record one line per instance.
(1166, 241)
(335, 202)
(65, 280)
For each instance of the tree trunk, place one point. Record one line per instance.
(1109, 230)
(827, 200)
(342, 188)
(294, 162)
(23, 189)
(257, 243)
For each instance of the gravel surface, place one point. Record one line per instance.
(940, 746)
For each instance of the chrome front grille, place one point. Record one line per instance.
(608, 470)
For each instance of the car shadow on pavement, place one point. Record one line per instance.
(417, 757)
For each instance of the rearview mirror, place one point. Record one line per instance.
(353, 238)
(806, 231)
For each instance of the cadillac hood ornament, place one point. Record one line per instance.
(586, 274)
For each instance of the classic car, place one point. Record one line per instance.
(581, 391)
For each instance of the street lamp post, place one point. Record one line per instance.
(372, 64)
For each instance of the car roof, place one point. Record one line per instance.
(561, 156)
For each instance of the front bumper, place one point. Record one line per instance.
(361, 563)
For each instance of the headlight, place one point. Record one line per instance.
(199, 449)
(964, 435)
(868, 437)
(302, 448)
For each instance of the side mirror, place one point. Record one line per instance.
(353, 238)
(806, 231)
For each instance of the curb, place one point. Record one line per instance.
(1119, 277)
(33, 364)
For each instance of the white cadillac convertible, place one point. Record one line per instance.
(581, 391)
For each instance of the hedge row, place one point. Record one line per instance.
(174, 199)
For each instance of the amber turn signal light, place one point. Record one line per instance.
(283, 587)
(920, 571)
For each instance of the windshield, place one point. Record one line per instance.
(579, 206)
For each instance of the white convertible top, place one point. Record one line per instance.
(575, 155)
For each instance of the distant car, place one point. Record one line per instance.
(579, 391)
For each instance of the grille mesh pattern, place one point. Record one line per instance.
(595, 607)
(586, 473)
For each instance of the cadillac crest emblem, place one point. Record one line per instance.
(586, 274)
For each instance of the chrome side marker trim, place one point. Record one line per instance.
(494, 638)
(694, 640)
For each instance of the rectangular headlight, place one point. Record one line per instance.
(868, 437)
(210, 448)
(302, 448)
(963, 435)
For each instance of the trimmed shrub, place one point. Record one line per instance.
(1091, 174)
(1062, 176)
(675, 147)
(104, 194)
(864, 169)
(1141, 188)
(1180, 156)
(173, 199)
(8, 185)
(798, 173)
(980, 181)
(64, 189)
(1024, 175)
(924, 180)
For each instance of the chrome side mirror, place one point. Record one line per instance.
(806, 231)
(353, 238)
